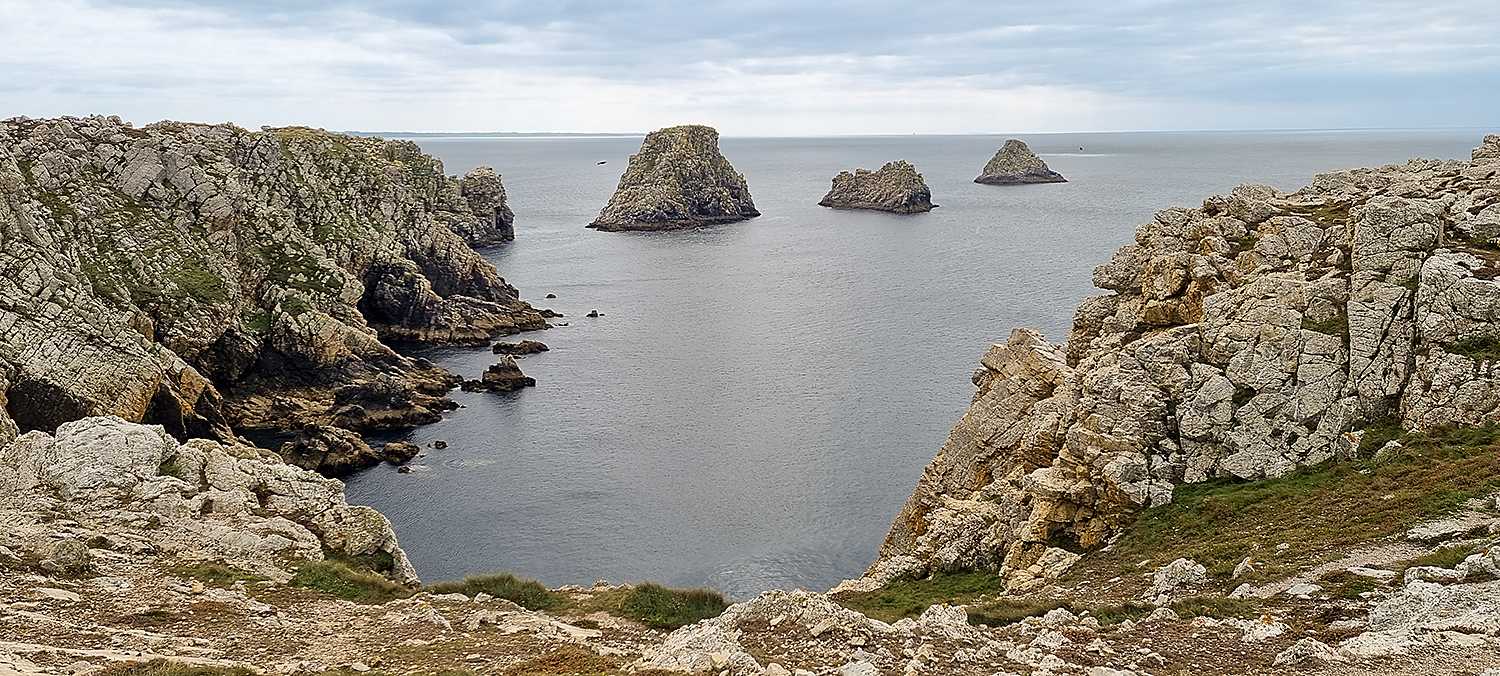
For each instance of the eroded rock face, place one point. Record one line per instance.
(206, 278)
(502, 376)
(678, 180)
(1015, 164)
(895, 187)
(211, 500)
(1244, 338)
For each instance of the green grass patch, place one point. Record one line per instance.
(659, 607)
(348, 583)
(526, 593)
(162, 667)
(213, 573)
(1337, 325)
(907, 597)
(1217, 607)
(1445, 557)
(1317, 510)
(1478, 348)
(565, 661)
(1347, 585)
(1001, 612)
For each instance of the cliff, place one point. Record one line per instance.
(1244, 338)
(1015, 164)
(895, 187)
(678, 180)
(208, 278)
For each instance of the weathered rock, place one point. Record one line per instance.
(397, 452)
(678, 180)
(1015, 164)
(493, 222)
(1243, 338)
(502, 376)
(193, 276)
(895, 187)
(524, 347)
(330, 451)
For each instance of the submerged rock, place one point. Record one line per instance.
(895, 187)
(678, 180)
(1015, 164)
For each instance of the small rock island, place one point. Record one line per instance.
(895, 187)
(677, 181)
(1015, 164)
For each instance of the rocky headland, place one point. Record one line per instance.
(210, 279)
(1015, 164)
(895, 187)
(1258, 333)
(678, 180)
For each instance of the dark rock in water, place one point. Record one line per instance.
(330, 451)
(439, 443)
(895, 187)
(678, 180)
(1015, 164)
(551, 295)
(594, 313)
(404, 469)
(502, 376)
(385, 402)
(549, 313)
(521, 348)
(397, 452)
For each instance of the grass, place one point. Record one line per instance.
(1318, 509)
(529, 594)
(213, 573)
(162, 667)
(908, 597)
(1337, 325)
(565, 661)
(659, 607)
(348, 583)
(1478, 348)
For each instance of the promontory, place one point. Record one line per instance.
(677, 181)
(895, 187)
(1015, 164)
(212, 279)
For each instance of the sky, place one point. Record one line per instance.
(758, 67)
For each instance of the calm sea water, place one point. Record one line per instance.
(758, 399)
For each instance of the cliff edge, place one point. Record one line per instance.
(895, 187)
(1244, 338)
(1015, 164)
(678, 180)
(208, 278)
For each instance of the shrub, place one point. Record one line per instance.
(526, 593)
(661, 608)
(340, 580)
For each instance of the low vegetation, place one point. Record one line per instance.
(659, 607)
(529, 594)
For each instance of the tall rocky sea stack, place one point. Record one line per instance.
(1015, 164)
(678, 180)
(895, 187)
(1255, 334)
(208, 278)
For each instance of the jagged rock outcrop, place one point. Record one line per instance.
(137, 488)
(521, 348)
(493, 221)
(678, 180)
(1015, 164)
(1244, 338)
(895, 187)
(328, 450)
(502, 376)
(206, 277)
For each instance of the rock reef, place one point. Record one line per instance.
(1259, 332)
(1015, 164)
(208, 278)
(895, 187)
(678, 180)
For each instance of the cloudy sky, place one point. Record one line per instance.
(752, 67)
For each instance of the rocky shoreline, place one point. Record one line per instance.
(209, 278)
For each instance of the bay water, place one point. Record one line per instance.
(758, 399)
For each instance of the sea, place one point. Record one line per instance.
(755, 401)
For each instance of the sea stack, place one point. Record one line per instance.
(1015, 164)
(895, 187)
(677, 181)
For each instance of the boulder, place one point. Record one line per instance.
(1015, 164)
(330, 451)
(502, 376)
(678, 180)
(895, 187)
(397, 452)
(524, 347)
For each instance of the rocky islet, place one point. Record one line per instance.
(1015, 164)
(895, 187)
(678, 180)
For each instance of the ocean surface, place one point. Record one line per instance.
(758, 399)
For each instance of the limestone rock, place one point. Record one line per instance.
(895, 187)
(502, 376)
(209, 278)
(678, 180)
(1242, 338)
(1015, 164)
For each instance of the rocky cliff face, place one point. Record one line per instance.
(895, 187)
(1015, 164)
(206, 277)
(678, 180)
(1244, 338)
